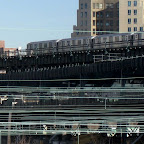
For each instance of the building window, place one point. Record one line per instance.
(81, 6)
(129, 21)
(81, 23)
(81, 14)
(135, 3)
(135, 20)
(117, 13)
(86, 23)
(94, 31)
(107, 5)
(129, 29)
(107, 14)
(111, 23)
(117, 5)
(94, 14)
(101, 23)
(97, 5)
(85, 31)
(111, 5)
(129, 12)
(97, 23)
(85, 5)
(141, 28)
(135, 12)
(111, 14)
(100, 5)
(97, 14)
(101, 14)
(93, 5)
(107, 23)
(135, 28)
(129, 3)
(117, 22)
(94, 22)
(85, 14)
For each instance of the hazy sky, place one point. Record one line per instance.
(23, 21)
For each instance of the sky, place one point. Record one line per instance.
(24, 21)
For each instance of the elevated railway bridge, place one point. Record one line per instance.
(44, 69)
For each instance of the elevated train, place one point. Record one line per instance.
(121, 40)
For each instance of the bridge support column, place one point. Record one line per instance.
(124, 138)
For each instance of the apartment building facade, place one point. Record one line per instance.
(131, 15)
(108, 16)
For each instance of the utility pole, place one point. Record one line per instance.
(9, 128)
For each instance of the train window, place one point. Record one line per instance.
(68, 43)
(87, 41)
(123, 38)
(31, 46)
(117, 38)
(35, 46)
(50, 44)
(79, 42)
(110, 39)
(96, 40)
(99, 40)
(104, 39)
(45, 45)
(59, 43)
(54, 44)
(136, 36)
(84, 41)
(40, 45)
(63, 43)
(73, 42)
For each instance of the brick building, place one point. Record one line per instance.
(6, 51)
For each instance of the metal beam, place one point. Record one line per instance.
(138, 139)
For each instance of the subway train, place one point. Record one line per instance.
(119, 40)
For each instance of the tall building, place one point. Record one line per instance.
(131, 15)
(94, 16)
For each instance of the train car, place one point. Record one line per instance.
(108, 41)
(136, 38)
(141, 38)
(103, 41)
(42, 47)
(120, 40)
(74, 44)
